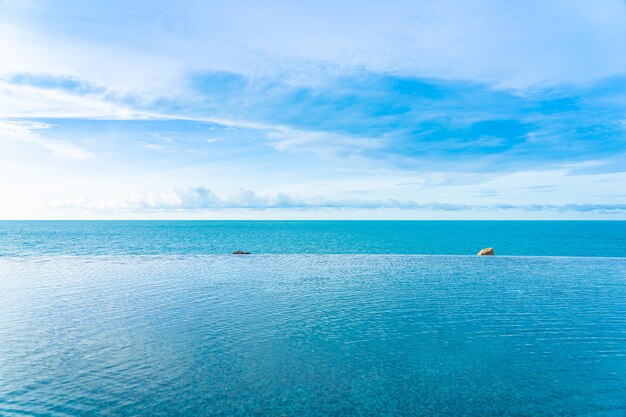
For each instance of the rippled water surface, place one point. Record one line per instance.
(316, 335)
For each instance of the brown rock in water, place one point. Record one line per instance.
(486, 252)
(239, 252)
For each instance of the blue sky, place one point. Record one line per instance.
(330, 110)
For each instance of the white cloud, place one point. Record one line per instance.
(200, 198)
(24, 101)
(155, 146)
(26, 132)
(322, 143)
(511, 44)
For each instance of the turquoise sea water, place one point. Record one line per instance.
(149, 319)
(532, 238)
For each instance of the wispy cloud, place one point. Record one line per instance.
(27, 132)
(401, 120)
(59, 99)
(514, 45)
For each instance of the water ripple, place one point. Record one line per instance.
(308, 335)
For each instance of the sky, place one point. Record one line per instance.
(312, 109)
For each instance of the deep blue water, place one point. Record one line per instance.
(532, 238)
(312, 335)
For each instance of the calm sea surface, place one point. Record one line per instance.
(150, 319)
(533, 238)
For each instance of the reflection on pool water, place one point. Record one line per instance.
(312, 335)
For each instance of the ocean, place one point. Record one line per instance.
(323, 319)
(515, 238)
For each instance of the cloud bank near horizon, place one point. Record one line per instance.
(201, 198)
